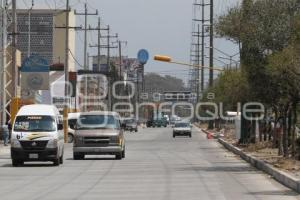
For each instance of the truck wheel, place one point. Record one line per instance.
(78, 156)
(61, 159)
(56, 162)
(123, 153)
(174, 135)
(16, 163)
(70, 138)
(119, 156)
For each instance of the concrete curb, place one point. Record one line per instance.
(205, 131)
(212, 135)
(280, 176)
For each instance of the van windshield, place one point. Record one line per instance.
(34, 124)
(97, 122)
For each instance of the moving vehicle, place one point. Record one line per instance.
(174, 119)
(98, 133)
(130, 124)
(182, 129)
(37, 135)
(157, 123)
(72, 120)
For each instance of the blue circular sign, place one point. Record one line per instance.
(143, 56)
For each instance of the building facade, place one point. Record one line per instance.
(40, 27)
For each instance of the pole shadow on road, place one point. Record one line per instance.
(220, 169)
(272, 193)
(91, 158)
(8, 165)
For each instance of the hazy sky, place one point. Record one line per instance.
(160, 26)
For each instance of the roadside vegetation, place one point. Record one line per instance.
(268, 34)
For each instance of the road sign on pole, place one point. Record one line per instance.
(143, 56)
(35, 73)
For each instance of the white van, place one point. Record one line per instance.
(37, 135)
(72, 120)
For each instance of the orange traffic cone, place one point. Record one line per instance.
(209, 136)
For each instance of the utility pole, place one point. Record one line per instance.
(15, 75)
(86, 14)
(211, 53)
(203, 35)
(108, 46)
(4, 72)
(66, 68)
(211, 43)
(203, 47)
(29, 29)
(198, 63)
(67, 27)
(98, 45)
(85, 29)
(119, 42)
(120, 59)
(110, 99)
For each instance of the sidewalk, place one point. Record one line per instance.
(4, 150)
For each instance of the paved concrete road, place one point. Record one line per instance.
(157, 167)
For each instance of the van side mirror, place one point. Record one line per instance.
(60, 127)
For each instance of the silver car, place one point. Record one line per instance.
(98, 133)
(182, 129)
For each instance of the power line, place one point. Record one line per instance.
(86, 14)
(72, 55)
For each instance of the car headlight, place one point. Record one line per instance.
(15, 143)
(52, 143)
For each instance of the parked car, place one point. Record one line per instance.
(182, 129)
(37, 135)
(98, 133)
(130, 124)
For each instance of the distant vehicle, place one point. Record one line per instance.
(167, 118)
(157, 123)
(72, 120)
(149, 123)
(130, 124)
(37, 135)
(174, 119)
(98, 133)
(182, 129)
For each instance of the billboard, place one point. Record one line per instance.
(103, 64)
(35, 74)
